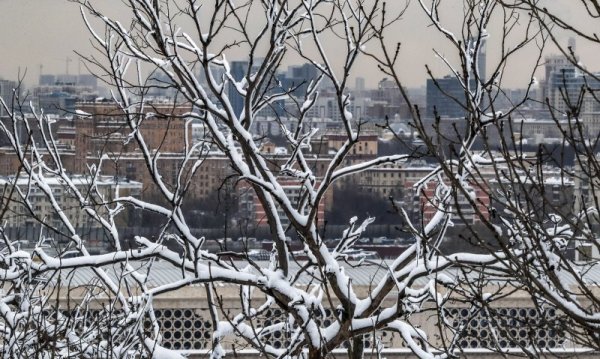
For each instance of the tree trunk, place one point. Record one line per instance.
(355, 351)
(315, 354)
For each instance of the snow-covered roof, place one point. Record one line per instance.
(164, 273)
(77, 180)
(280, 151)
(549, 181)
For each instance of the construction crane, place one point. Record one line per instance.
(67, 64)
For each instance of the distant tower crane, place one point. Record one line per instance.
(68, 60)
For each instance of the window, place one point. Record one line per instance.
(585, 252)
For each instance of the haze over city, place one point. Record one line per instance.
(47, 32)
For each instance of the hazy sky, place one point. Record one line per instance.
(46, 32)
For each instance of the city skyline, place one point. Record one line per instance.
(34, 35)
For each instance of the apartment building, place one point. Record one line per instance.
(33, 212)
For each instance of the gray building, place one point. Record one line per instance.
(6, 93)
(445, 97)
(271, 85)
(298, 78)
(238, 72)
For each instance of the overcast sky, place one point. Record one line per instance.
(46, 32)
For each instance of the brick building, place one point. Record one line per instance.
(465, 209)
(207, 179)
(104, 136)
(252, 210)
(102, 128)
